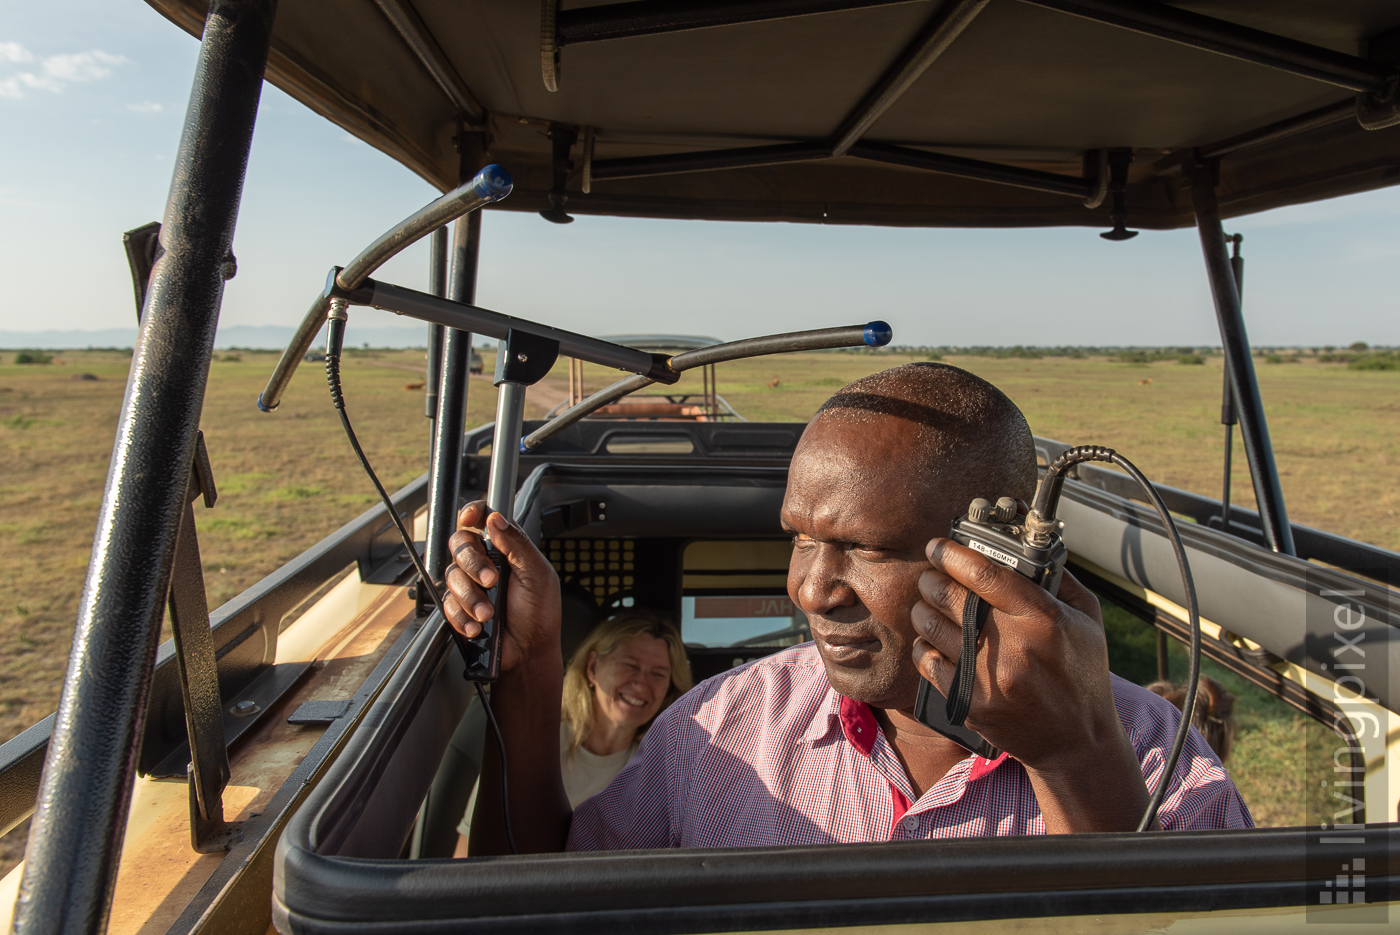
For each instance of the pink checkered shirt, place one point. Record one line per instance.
(769, 754)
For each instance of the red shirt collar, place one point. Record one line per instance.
(860, 727)
(858, 724)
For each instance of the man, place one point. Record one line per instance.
(818, 743)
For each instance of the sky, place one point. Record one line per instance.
(93, 93)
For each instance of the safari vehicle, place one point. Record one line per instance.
(292, 758)
(705, 406)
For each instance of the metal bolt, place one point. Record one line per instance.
(522, 357)
(245, 708)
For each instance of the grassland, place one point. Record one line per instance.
(1336, 432)
(285, 480)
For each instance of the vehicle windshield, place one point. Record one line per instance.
(734, 593)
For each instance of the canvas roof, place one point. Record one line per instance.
(1022, 85)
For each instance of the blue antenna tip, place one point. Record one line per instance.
(493, 183)
(878, 333)
(263, 407)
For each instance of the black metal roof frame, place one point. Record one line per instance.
(1297, 154)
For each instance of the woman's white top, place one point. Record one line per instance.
(586, 773)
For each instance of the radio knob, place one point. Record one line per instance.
(1005, 510)
(980, 511)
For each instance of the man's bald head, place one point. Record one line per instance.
(966, 438)
(886, 465)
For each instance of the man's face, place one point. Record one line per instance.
(861, 514)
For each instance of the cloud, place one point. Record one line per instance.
(14, 52)
(146, 107)
(55, 72)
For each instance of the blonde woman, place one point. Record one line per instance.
(624, 672)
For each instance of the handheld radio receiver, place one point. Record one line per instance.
(1032, 546)
(1002, 535)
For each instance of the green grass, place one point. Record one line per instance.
(298, 492)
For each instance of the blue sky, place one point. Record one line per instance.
(92, 95)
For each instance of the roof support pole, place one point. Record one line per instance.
(962, 167)
(1254, 430)
(633, 167)
(1088, 190)
(1227, 394)
(1282, 130)
(1230, 39)
(445, 477)
(425, 48)
(651, 17)
(932, 41)
(75, 843)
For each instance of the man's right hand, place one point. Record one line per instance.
(532, 592)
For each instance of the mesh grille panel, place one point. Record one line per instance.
(604, 566)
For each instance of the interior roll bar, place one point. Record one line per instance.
(873, 334)
(489, 185)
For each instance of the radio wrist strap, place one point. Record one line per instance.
(974, 617)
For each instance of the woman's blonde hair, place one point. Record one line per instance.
(603, 640)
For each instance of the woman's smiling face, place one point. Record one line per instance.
(630, 683)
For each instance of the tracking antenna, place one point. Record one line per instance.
(528, 350)
(488, 186)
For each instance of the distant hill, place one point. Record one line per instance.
(261, 336)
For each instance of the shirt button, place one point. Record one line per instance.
(910, 822)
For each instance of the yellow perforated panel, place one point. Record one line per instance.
(603, 566)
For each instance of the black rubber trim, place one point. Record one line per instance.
(812, 914)
(733, 889)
